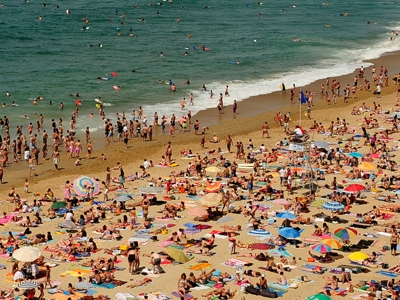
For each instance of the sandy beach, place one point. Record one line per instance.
(247, 125)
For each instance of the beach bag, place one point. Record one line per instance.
(385, 266)
(252, 290)
(386, 248)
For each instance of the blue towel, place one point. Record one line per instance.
(190, 225)
(387, 273)
(105, 285)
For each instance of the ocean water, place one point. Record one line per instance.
(52, 57)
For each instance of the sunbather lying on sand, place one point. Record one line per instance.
(140, 282)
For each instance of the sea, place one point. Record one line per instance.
(250, 45)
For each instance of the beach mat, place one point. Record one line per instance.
(387, 273)
(200, 266)
(187, 296)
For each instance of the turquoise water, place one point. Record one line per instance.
(51, 58)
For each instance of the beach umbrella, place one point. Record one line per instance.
(58, 205)
(366, 166)
(286, 215)
(321, 144)
(281, 201)
(358, 256)
(333, 206)
(79, 185)
(68, 224)
(123, 198)
(83, 285)
(151, 190)
(355, 154)
(27, 254)
(197, 212)
(288, 232)
(345, 233)
(177, 255)
(213, 169)
(211, 199)
(27, 285)
(213, 187)
(321, 248)
(225, 219)
(319, 297)
(355, 187)
(334, 244)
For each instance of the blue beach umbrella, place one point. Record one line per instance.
(333, 206)
(286, 215)
(289, 232)
(356, 154)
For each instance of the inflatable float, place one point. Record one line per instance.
(116, 87)
(114, 74)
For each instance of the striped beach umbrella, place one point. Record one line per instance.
(123, 198)
(213, 187)
(27, 285)
(321, 248)
(345, 233)
(79, 185)
(333, 206)
(334, 244)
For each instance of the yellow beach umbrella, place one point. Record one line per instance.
(358, 256)
(177, 255)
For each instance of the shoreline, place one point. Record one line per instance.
(249, 112)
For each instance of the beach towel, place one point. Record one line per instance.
(200, 266)
(187, 296)
(324, 236)
(378, 244)
(279, 252)
(318, 202)
(236, 263)
(387, 273)
(339, 270)
(154, 296)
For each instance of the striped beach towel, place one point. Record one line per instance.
(236, 263)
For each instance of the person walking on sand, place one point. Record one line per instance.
(309, 112)
(47, 279)
(56, 158)
(394, 240)
(265, 130)
(234, 108)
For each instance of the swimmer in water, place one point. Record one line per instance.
(158, 13)
(205, 7)
(204, 87)
(187, 81)
(142, 19)
(255, 41)
(50, 102)
(44, 4)
(39, 98)
(7, 94)
(90, 45)
(327, 25)
(282, 10)
(84, 27)
(296, 40)
(134, 71)
(61, 105)
(161, 53)
(186, 53)
(91, 115)
(189, 35)
(40, 18)
(182, 7)
(75, 95)
(26, 117)
(260, 3)
(178, 20)
(259, 15)
(100, 46)
(14, 104)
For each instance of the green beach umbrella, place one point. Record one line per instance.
(58, 205)
(319, 297)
